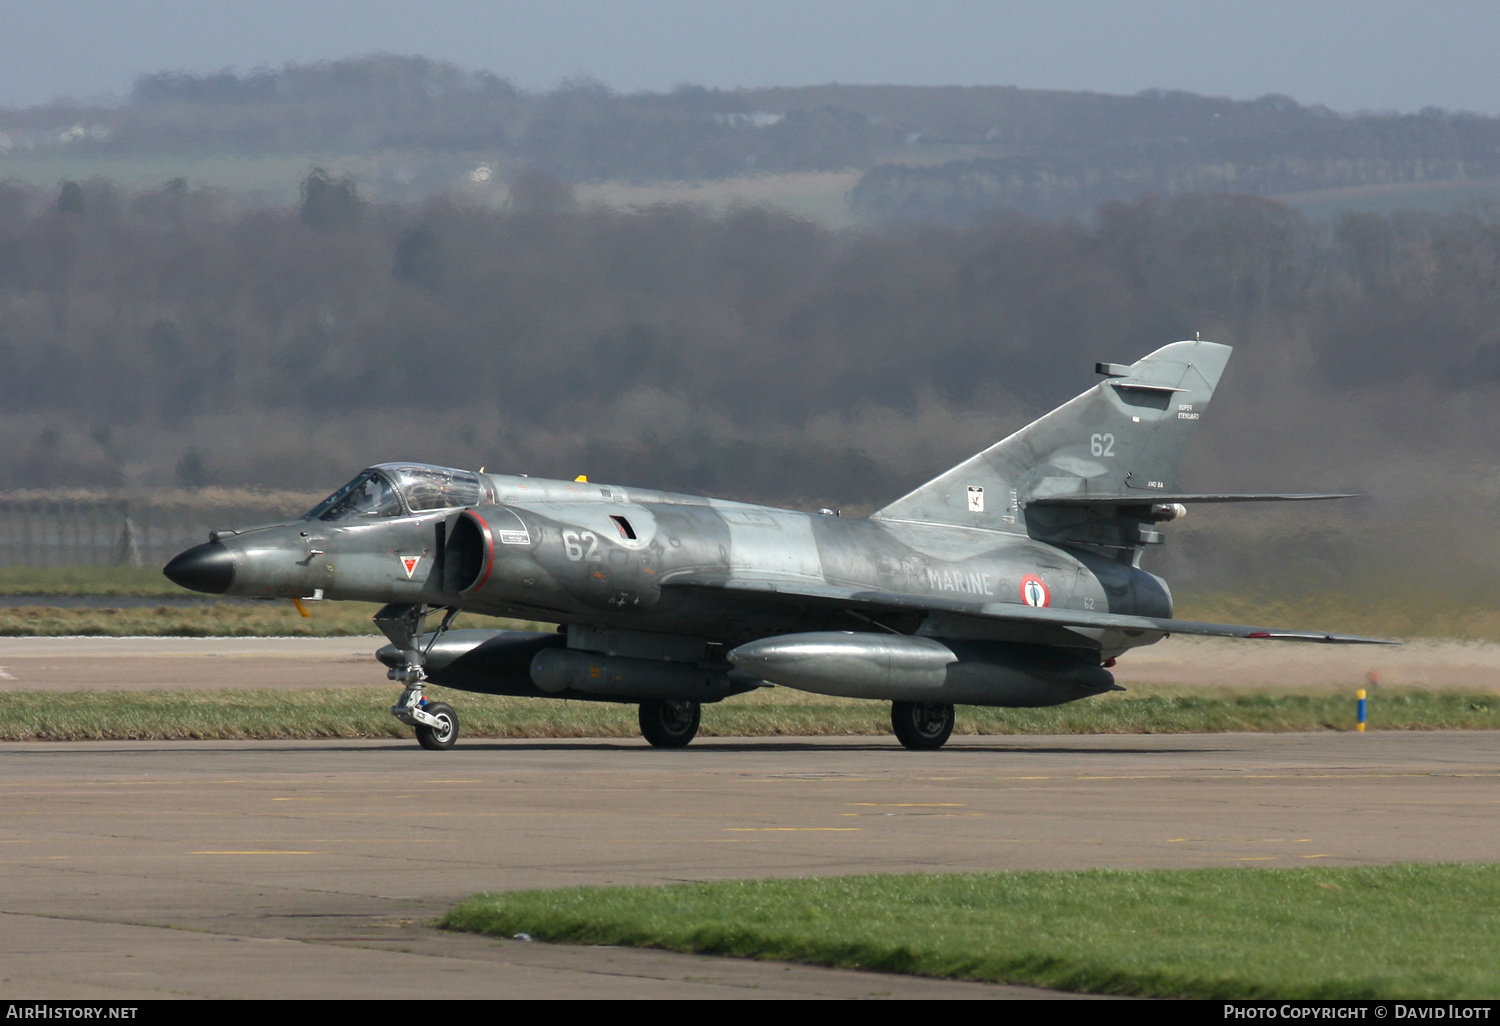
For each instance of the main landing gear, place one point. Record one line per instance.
(670, 724)
(922, 726)
(436, 722)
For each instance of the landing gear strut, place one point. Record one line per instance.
(436, 722)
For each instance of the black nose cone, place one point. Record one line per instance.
(208, 567)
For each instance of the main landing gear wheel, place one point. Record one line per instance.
(670, 724)
(442, 736)
(922, 726)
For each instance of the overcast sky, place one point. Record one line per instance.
(1346, 54)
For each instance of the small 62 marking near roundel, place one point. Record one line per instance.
(1034, 591)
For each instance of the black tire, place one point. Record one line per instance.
(670, 724)
(439, 738)
(922, 726)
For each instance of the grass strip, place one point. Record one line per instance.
(86, 580)
(362, 713)
(274, 619)
(1407, 931)
(266, 714)
(1373, 608)
(249, 620)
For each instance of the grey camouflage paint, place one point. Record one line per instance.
(1023, 555)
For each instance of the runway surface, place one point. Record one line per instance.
(269, 869)
(141, 664)
(247, 869)
(70, 664)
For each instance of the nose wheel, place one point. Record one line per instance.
(441, 734)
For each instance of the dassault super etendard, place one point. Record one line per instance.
(1013, 579)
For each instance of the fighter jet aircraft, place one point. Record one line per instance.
(1013, 579)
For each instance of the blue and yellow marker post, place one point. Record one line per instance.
(1360, 694)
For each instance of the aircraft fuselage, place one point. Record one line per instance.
(568, 552)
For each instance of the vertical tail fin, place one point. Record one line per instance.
(1125, 436)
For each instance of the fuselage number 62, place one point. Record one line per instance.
(573, 545)
(1102, 445)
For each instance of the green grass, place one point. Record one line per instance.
(277, 618)
(360, 712)
(1409, 931)
(1372, 608)
(250, 620)
(247, 620)
(1142, 710)
(86, 580)
(291, 714)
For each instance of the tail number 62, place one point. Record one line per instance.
(1101, 445)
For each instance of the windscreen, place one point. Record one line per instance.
(396, 489)
(368, 495)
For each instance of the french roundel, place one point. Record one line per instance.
(1034, 591)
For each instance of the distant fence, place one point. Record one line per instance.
(111, 529)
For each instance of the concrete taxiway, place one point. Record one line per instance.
(211, 664)
(71, 664)
(258, 869)
(268, 869)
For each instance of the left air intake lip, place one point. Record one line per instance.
(208, 567)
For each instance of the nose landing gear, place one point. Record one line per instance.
(436, 722)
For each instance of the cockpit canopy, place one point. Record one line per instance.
(399, 489)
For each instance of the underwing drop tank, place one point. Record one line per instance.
(903, 668)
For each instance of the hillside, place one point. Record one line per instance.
(408, 127)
